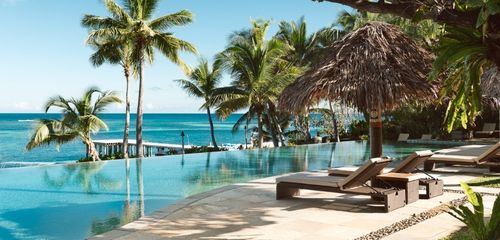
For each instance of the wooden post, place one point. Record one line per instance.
(376, 133)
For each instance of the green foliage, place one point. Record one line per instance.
(133, 26)
(79, 120)
(259, 75)
(463, 56)
(202, 83)
(203, 149)
(323, 119)
(493, 182)
(486, 9)
(426, 32)
(461, 234)
(358, 128)
(417, 120)
(478, 228)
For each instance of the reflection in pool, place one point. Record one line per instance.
(79, 200)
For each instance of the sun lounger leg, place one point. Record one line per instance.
(284, 191)
(410, 187)
(395, 200)
(495, 169)
(429, 166)
(433, 188)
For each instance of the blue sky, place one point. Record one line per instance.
(42, 50)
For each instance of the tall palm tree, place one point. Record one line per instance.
(133, 23)
(202, 83)
(79, 120)
(116, 51)
(303, 49)
(259, 73)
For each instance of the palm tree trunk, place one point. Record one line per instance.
(261, 132)
(140, 185)
(87, 150)
(376, 133)
(91, 150)
(139, 148)
(334, 120)
(212, 133)
(307, 128)
(272, 129)
(279, 131)
(127, 112)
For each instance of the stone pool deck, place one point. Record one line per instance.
(250, 211)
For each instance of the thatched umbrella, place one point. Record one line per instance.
(375, 68)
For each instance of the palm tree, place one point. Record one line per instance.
(259, 74)
(79, 120)
(202, 83)
(301, 46)
(302, 51)
(115, 51)
(133, 23)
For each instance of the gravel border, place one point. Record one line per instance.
(417, 218)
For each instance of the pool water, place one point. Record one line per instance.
(76, 201)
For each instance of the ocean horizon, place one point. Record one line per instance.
(16, 128)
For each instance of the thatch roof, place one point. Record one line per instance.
(376, 64)
(490, 87)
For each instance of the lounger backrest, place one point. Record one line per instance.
(370, 169)
(403, 137)
(489, 127)
(491, 152)
(412, 161)
(426, 137)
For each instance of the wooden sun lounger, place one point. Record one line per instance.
(488, 130)
(402, 176)
(489, 158)
(355, 183)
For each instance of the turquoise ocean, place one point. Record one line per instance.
(15, 130)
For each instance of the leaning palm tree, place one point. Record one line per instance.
(133, 23)
(259, 74)
(79, 120)
(202, 83)
(116, 51)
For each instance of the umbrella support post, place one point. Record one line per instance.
(376, 133)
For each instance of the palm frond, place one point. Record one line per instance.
(49, 131)
(191, 88)
(176, 19)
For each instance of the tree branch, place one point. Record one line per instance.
(442, 13)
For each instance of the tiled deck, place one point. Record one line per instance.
(250, 211)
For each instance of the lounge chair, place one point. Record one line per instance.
(402, 176)
(426, 137)
(355, 183)
(467, 155)
(488, 130)
(403, 137)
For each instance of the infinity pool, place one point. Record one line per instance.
(79, 200)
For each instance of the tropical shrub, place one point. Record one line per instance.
(203, 149)
(478, 228)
